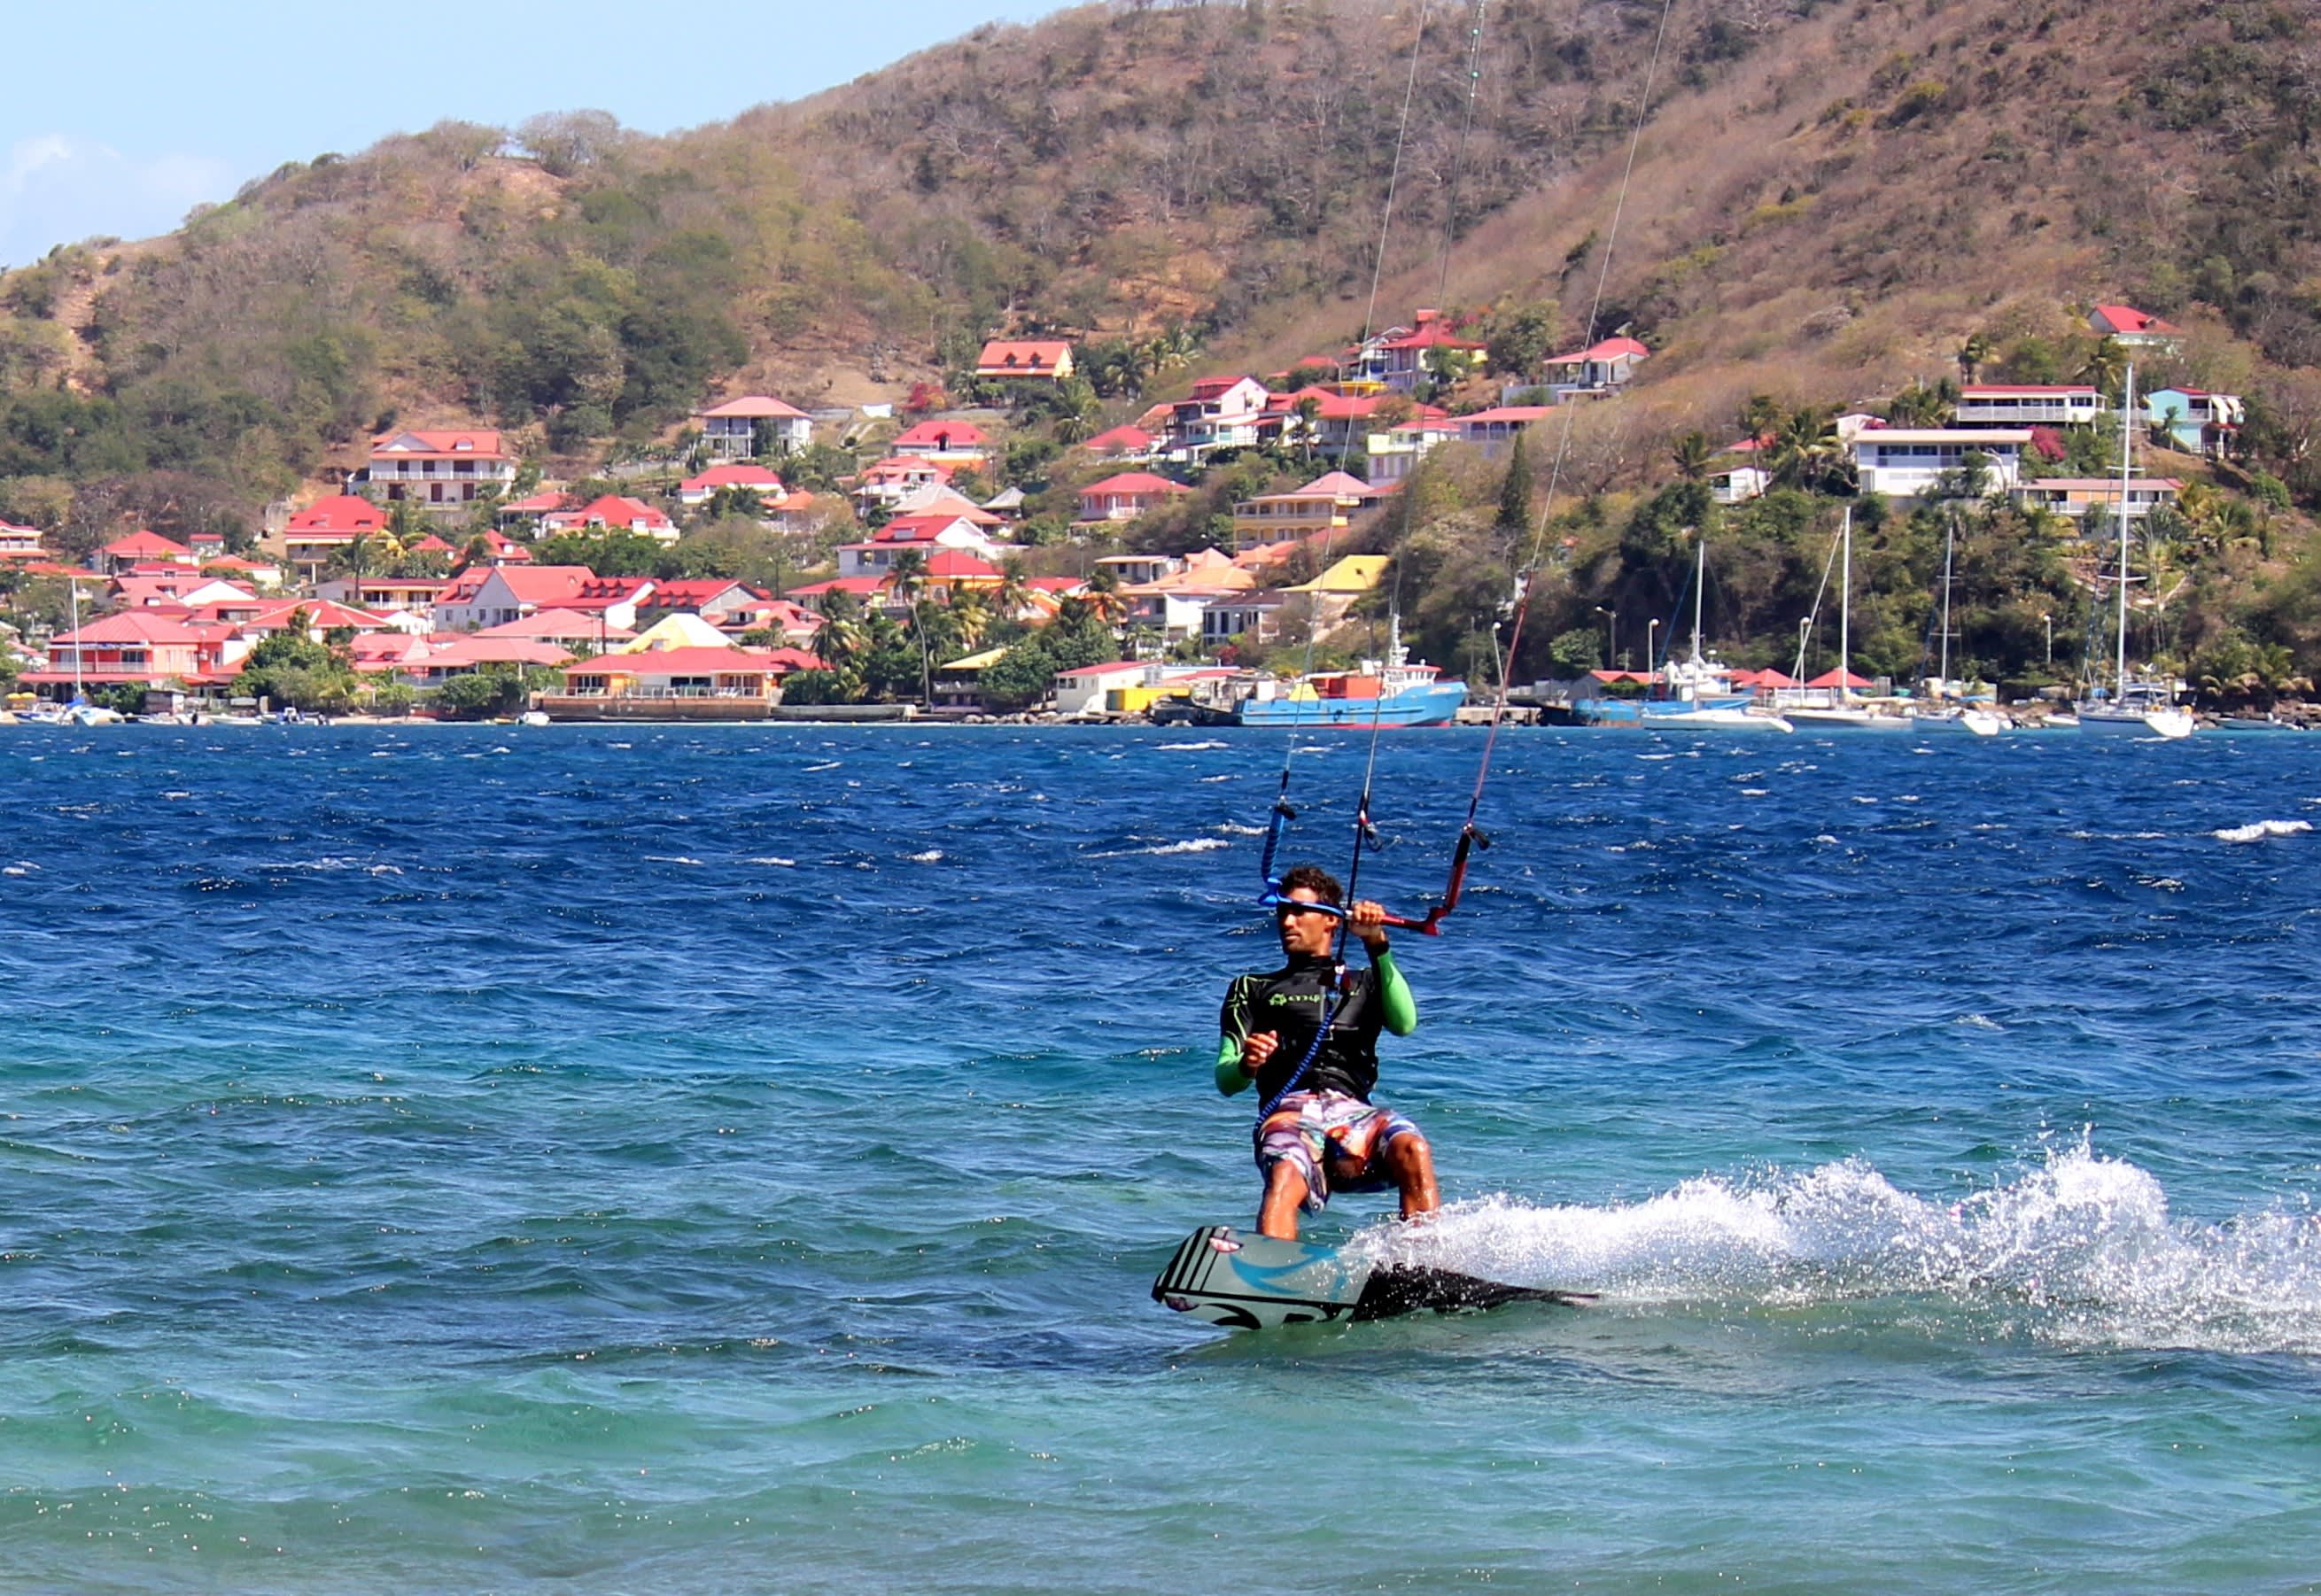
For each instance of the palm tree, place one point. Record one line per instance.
(1805, 448)
(841, 639)
(1692, 456)
(1309, 411)
(1759, 415)
(971, 616)
(1015, 590)
(2107, 367)
(1103, 599)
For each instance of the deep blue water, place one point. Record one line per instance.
(734, 1159)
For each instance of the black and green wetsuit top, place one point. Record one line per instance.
(1295, 1001)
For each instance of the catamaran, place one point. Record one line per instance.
(2144, 704)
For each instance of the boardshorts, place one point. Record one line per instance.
(1333, 1140)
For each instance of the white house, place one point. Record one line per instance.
(1221, 412)
(513, 592)
(1601, 368)
(1737, 485)
(438, 470)
(729, 432)
(2094, 500)
(2024, 405)
(1906, 462)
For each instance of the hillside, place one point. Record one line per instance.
(1829, 201)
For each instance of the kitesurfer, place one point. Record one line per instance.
(1308, 1040)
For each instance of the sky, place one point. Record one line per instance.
(121, 119)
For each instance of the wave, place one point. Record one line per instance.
(2261, 829)
(1198, 845)
(1235, 829)
(932, 855)
(1191, 748)
(2081, 1251)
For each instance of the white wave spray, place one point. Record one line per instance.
(2081, 1251)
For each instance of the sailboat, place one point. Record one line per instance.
(1701, 689)
(2137, 705)
(1841, 713)
(1951, 717)
(81, 712)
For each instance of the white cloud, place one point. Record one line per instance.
(58, 189)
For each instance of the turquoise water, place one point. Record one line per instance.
(736, 1159)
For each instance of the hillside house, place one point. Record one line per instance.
(2094, 500)
(142, 548)
(508, 592)
(18, 543)
(388, 595)
(575, 629)
(1494, 431)
(948, 443)
(1044, 359)
(1737, 485)
(2135, 329)
(1402, 362)
(613, 513)
(1253, 617)
(1909, 462)
(2196, 421)
(1126, 496)
(1172, 599)
(729, 431)
(875, 556)
(891, 482)
(319, 533)
(723, 604)
(2028, 404)
(1128, 443)
(1329, 502)
(696, 491)
(442, 471)
(1221, 412)
(133, 646)
(729, 673)
(1332, 593)
(1595, 372)
(1394, 454)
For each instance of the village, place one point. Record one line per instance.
(418, 589)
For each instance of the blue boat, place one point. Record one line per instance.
(1397, 694)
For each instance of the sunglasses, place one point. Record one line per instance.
(1290, 908)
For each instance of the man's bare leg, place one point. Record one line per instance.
(1411, 1161)
(1285, 1193)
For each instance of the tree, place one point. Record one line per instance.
(1973, 355)
(1515, 491)
(1759, 414)
(2106, 366)
(1692, 456)
(1519, 338)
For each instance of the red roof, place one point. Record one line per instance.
(1610, 348)
(1135, 481)
(541, 504)
(138, 626)
(754, 405)
(1121, 441)
(1022, 354)
(1212, 387)
(2020, 390)
(2127, 318)
(139, 544)
(1433, 336)
(721, 477)
(344, 515)
(917, 528)
(948, 435)
(956, 563)
(428, 445)
(859, 585)
(612, 511)
(1830, 678)
(690, 593)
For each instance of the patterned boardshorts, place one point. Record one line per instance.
(1333, 1140)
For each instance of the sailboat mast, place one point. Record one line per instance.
(1845, 615)
(1949, 541)
(1699, 577)
(2126, 445)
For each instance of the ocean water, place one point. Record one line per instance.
(736, 1159)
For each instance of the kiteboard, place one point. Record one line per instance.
(1254, 1282)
